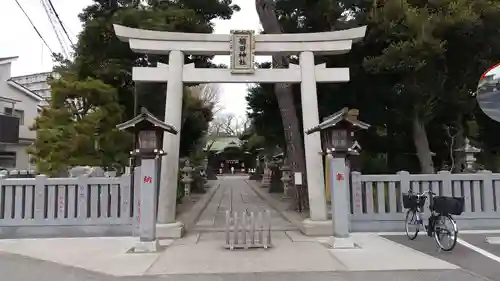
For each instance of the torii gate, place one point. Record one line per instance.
(242, 46)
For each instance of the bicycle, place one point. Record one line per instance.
(442, 208)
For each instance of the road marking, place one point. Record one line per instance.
(479, 250)
(493, 240)
(491, 231)
(460, 231)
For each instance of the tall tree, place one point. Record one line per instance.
(196, 117)
(284, 96)
(79, 127)
(418, 51)
(469, 45)
(263, 110)
(209, 94)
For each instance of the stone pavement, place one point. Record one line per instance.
(234, 194)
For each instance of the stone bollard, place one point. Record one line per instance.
(187, 178)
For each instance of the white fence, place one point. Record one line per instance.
(83, 206)
(376, 203)
(107, 206)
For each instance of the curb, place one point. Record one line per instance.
(189, 218)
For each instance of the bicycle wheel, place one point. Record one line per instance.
(445, 232)
(411, 224)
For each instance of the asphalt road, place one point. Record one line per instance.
(490, 104)
(462, 256)
(19, 268)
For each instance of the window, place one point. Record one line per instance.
(15, 112)
(7, 159)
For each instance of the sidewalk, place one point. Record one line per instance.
(202, 252)
(19, 268)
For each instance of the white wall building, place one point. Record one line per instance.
(17, 100)
(37, 83)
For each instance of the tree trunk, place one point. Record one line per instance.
(422, 146)
(490, 159)
(284, 95)
(459, 156)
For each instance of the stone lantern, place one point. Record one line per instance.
(205, 163)
(337, 136)
(187, 177)
(148, 132)
(256, 173)
(470, 152)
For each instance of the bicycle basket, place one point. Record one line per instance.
(448, 205)
(411, 201)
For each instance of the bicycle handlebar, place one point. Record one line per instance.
(424, 193)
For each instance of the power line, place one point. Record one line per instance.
(60, 22)
(34, 27)
(54, 27)
(71, 33)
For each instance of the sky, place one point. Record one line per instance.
(18, 38)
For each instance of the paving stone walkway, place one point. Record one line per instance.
(235, 194)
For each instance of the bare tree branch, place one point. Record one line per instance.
(209, 94)
(227, 124)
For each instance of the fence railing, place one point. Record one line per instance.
(82, 206)
(376, 204)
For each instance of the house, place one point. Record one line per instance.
(19, 107)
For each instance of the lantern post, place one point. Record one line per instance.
(338, 143)
(148, 133)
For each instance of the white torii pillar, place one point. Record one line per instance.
(176, 45)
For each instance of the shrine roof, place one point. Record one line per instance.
(142, 119)
(345, 114)
(221, 143)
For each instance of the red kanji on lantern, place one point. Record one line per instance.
(340, 177)
(148, 179)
